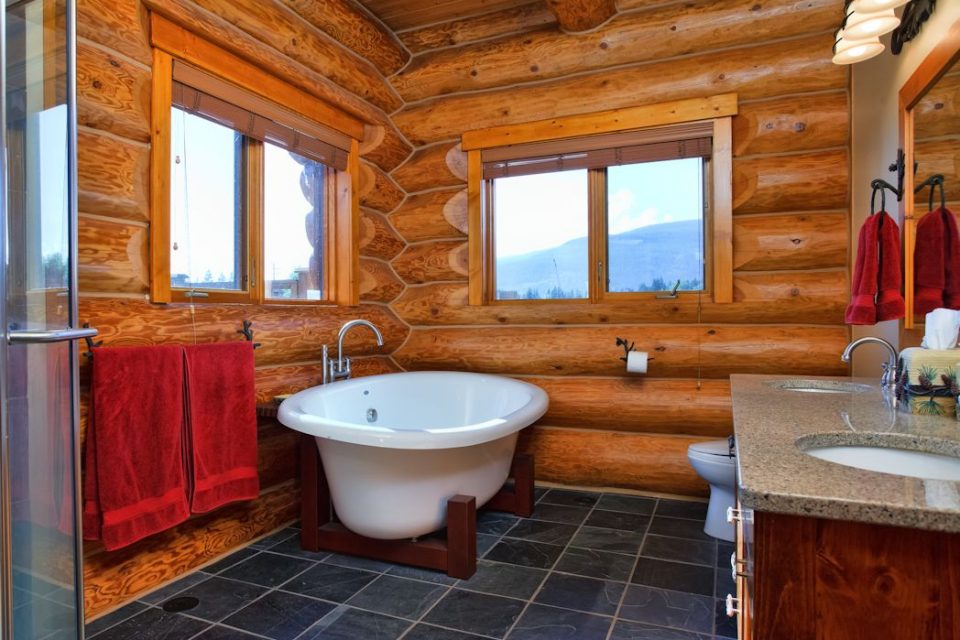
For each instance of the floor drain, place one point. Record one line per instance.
(183, 603)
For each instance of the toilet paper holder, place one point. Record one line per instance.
(627, 348)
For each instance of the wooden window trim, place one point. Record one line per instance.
(172, 43)
(719, 110)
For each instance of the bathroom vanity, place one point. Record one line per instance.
(827, 550)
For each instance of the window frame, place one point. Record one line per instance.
(718, 236)
(341, 262)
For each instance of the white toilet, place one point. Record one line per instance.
(715, 462)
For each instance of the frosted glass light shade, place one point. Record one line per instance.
(870, 6)
(847, 50)
(861, 25)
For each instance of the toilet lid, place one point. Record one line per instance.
(713, 447)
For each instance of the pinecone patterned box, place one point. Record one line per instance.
(927, 381)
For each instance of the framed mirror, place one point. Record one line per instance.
(930, 138)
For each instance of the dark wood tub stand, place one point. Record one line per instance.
(457, 554)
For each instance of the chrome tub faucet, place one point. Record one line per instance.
(339, 369)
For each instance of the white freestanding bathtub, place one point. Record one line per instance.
(395, 447)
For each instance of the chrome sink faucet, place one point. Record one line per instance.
(339, 369)
(888, 379)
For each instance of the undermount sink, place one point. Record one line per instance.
(901, 462)
(820, 386)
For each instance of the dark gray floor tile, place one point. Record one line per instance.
(291, 547)
(596, 564)
(504, 579)
(352, 624)
(623, 630)
(429, 632)
(32, 583)
(680, 550)
(114, 617)
(495, 523)
(279, 615)
(539, 531)
(724, 551)
(476, 613)
(539, 492)
(485, 543)
(689, 578)
(682, 509)
(581, 594)
(330, 582)
(154, 624)
(220, 597)
(608, 540)
(356, 562)
(726, 627)
(525, 553)
(275, 538)
(231, 560)
(627, 504)
(668, 608)
(267, 569)
(415, 573)
(678, 528)
(398, 597)
(540, 622)
(218, 632)
(560, 513)
(164, 593)
(618, 520)
(725, 583)
(570, 498)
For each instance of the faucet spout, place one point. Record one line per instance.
(345, 329)
(889, 367)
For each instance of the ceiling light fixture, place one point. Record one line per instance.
(861, 25)
(848, 51)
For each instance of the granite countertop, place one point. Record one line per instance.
(775, 475)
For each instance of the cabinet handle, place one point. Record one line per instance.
(731, 610)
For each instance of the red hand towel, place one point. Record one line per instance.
(862, 308)
(890, 304)
(951, 259)
(929, 263)
(222, 419)
(135, 481)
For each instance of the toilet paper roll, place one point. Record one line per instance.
(637, 362)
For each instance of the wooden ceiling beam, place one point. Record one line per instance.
(575, 16)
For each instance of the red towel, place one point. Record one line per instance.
(222, 418)
(951, 259)
(862, 308)
(890, 305)
(936, 262)
(135, 481)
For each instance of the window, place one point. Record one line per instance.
(254, 194)
(622, 214)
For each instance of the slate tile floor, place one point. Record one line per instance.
(587, 566)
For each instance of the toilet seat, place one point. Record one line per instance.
(715, 451)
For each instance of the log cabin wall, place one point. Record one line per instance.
(791, 222)
(340, 55)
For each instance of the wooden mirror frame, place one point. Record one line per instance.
(933, 67)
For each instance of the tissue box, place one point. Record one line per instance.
(927, 381)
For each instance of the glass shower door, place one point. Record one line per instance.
(41, 590)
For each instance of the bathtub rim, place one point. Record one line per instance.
(291, 416)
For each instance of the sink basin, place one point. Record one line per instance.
(820, 386)
(901, 462)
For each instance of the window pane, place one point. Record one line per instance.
(205, 213)
(540, 236)
(293, 225)
(655, 226)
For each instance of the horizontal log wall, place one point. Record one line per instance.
(790, 227)
(114, 83)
